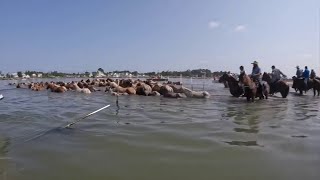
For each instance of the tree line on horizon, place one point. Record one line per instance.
(187, 73)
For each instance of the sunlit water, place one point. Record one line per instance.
(158, 138)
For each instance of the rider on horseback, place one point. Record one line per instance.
(276, 75)
(256, 75)
(306, 76)
(312, 74)
(242, 72)
(299, 72)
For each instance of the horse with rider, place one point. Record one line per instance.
(253, 85)
(306, 80)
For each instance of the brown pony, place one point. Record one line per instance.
(125, 83)
(233, 85)
(279, 86)
(56, 88)
(298, 83)
(223, 79)
(37, 86)
(250, 90)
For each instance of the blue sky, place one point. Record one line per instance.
(156, 35)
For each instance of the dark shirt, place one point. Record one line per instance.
(312, 75)
(306, 74)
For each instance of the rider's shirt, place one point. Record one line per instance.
(276, 75)
(306, 74)
(256, 73)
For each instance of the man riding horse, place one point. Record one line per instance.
(256, 75)
(312, 74)
(299, 72)
(306, 76)
(275, 76)
(242, 71)
(302, 81)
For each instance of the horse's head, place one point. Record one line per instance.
(85, 85)
(80, 84)
(73, 85)
(50, 86)
(205, 94)
(223, 78)
(266, 77)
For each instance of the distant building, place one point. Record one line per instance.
(25, 76)
(90, 75)
(14, 75)
(115, 75)
(100, 74)
(33, 75)
(94, 74)
(39, 75)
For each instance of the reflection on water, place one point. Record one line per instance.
(157, 138)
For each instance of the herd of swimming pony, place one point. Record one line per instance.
(256, 85)
(118, 87)
(262, 85)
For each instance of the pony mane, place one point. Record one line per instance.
(246, 80)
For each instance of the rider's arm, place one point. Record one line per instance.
(282, 74)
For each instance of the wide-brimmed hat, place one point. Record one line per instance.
(254, 62)
(297, 67)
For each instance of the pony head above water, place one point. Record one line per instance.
(266, 77)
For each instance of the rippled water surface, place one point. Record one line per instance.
(157, 138)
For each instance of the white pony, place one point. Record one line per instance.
(78, 89)
(195, 94)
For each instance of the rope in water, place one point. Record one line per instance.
(70, 124)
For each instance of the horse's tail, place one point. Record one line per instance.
(285, 90)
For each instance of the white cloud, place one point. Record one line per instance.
(213, 24)
(240, 28)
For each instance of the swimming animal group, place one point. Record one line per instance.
(118, 88)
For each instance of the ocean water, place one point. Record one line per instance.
(158, 138)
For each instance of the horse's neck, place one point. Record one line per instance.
(77, 87)
(231, 79)
(267, 78)
(247, 81)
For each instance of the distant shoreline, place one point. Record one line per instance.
(141, 77)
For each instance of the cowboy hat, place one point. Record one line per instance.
(254, 62)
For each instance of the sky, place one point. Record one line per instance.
(158, 35)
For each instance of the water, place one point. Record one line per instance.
(157, 138)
